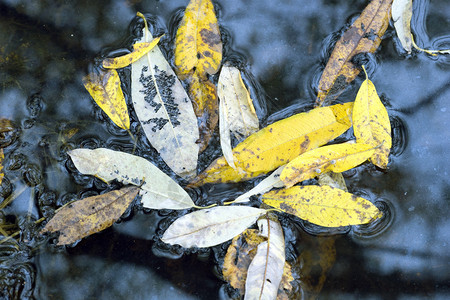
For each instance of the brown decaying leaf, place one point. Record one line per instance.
(203, 95)
(363, 36)
(239, 256)
(90, 215)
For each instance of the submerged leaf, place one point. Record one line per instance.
(107, 93)
(210, 227)
(401, 15)
(323, 205)
(158, 190)
(364, 35)
(266, 269)
(164, 111)
(198, 42)
(90, 215)
(206, 107)
(337, 158)
(236, 112)
(139, 50)
(279, 143)
(371, 123)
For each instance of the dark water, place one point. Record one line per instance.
(46, 47)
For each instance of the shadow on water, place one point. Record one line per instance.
(46, 47)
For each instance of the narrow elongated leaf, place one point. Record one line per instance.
(90, 215)
(158, 190)
(273, 180)
(206, 107)
(107, 93)
(401, 15)
(198, 42)
(210, 227)
(139, 50)
(336, 158)
(2, 157)
(279, 143)
(236, 112)
(266, 269)
(332, 179)
(364, 35)
(371, 123)
(164, 110)
(323, 205)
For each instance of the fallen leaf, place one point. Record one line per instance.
(279, 143)
(401, 15)
(371, 123)
(332, 179)
(271, 181)
(364, 35)
(2, 157)
(139, 50)
(198, 43)
(238, 258)
(105, 88)
(236, 112)
(158, 190)
(266, 269)
(165, 111)
(90, 215)
(206, 107)
(323, 205)
(212, 226)
(337, 158)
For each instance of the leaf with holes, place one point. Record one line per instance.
(90, 215)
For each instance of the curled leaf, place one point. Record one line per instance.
(364, 35)
(336, 158)
(139, 50)
(236, 112)
(158, 190)
(323, 205)
(90, 215)
(105, 88)
(210, 227)
(198, 42)
(371, 123)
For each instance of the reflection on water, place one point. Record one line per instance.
(45, 49)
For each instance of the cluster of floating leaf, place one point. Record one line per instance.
(179, 124)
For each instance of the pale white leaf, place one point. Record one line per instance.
(266, 269)
(158, 190)
(401, 15)
(165, 111)
(271, 181)
(332, 179)
(236, 111)
(212, 226)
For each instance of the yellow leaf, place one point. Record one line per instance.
(279, 143)
(90, 215)
(198, 42)
(139, 50)
(236, 112)
(107, 93)
(204, 99)
(363, 36)
(2, 157)
(332, 179)
(337, 158)
(371, 123)
(323, 205)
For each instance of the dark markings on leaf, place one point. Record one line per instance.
(372, 35)
(165, 84)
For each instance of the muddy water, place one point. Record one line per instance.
(47, 47)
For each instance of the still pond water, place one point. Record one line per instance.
(46, 47)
